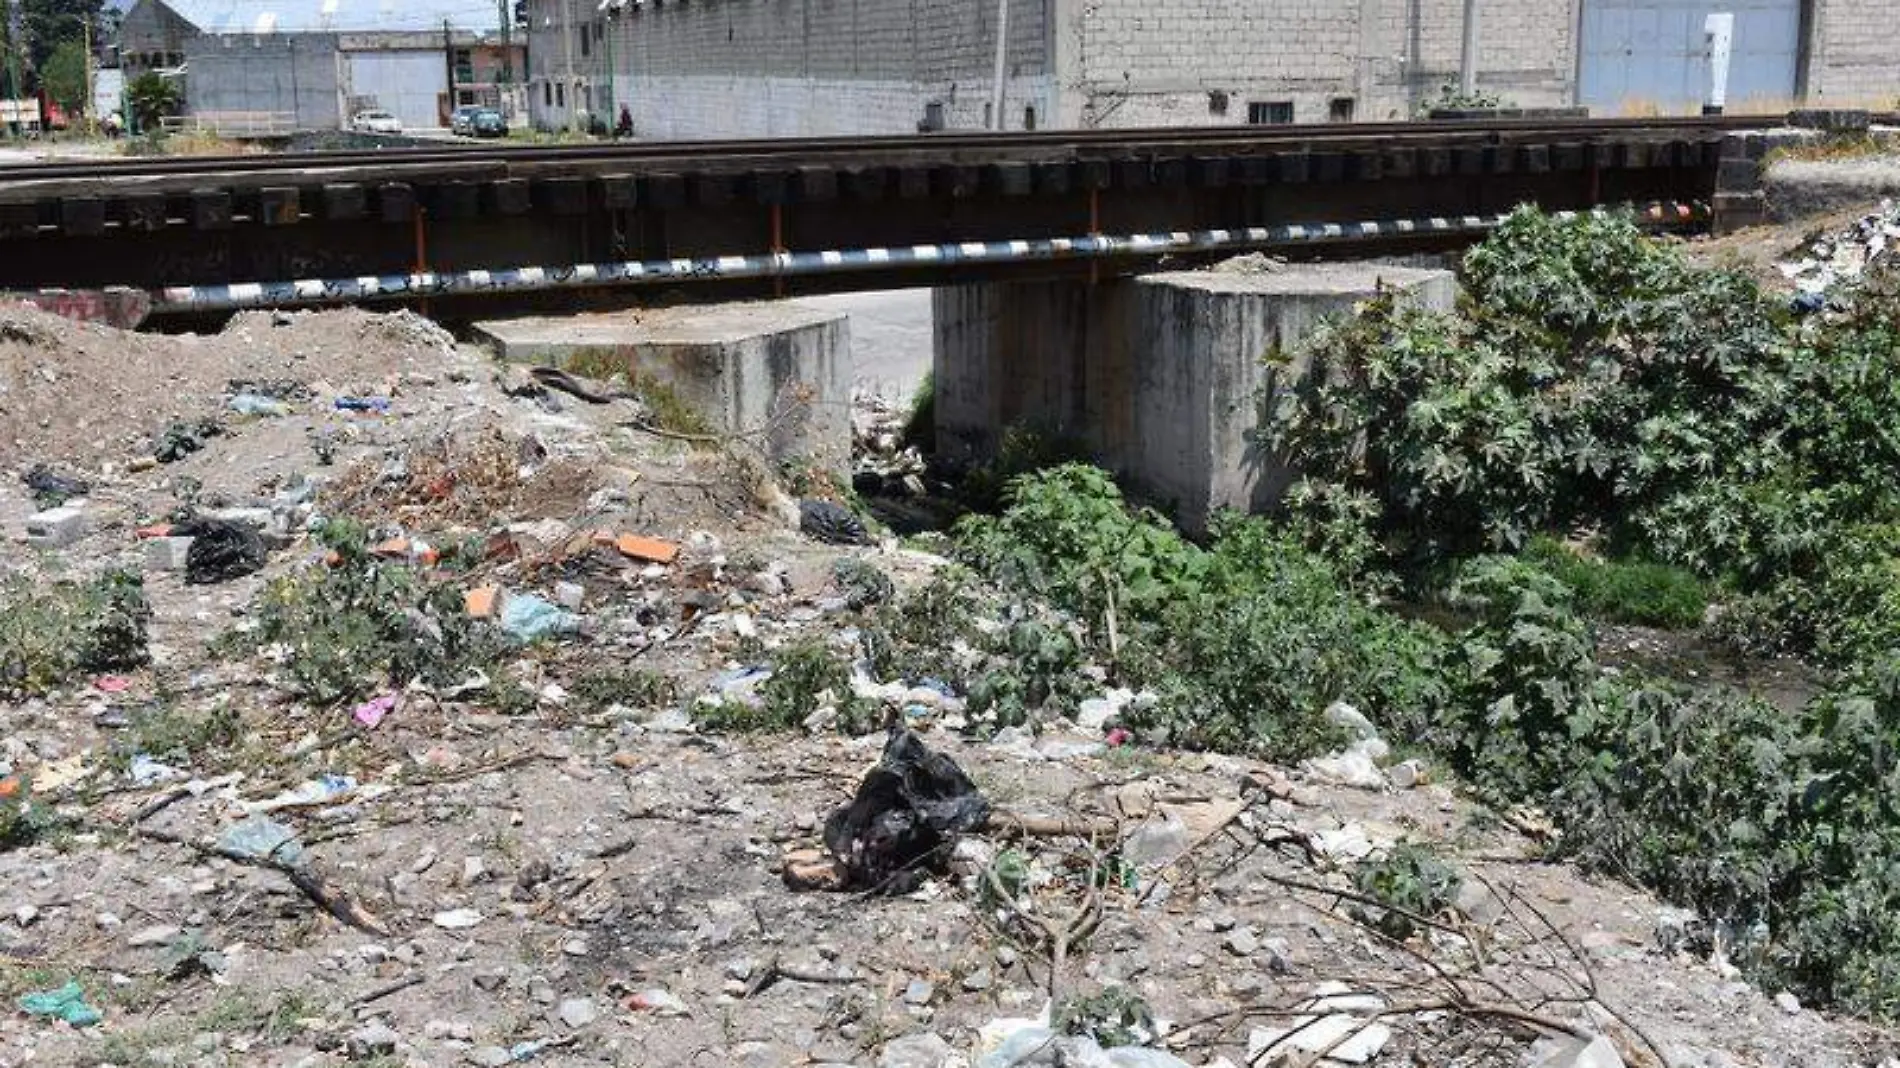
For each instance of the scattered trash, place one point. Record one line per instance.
(111, 684)
(1331, 1028)
(319, 791)
(148, 772)
(257, 405)
(658, 1002)
(1409, 774)
(51, 490)
(59, 774)
(906, 817)
(378, 405)
(262, 839)
(831, 523)
(528, 618)
(456, 919)
(1599, 1052)
(741, 686)
(68, 1003)
(650, 550)
(371, 713)
(480, 602)
(220, 551)
(1845, 256)
(1356, 766)
(412, 550)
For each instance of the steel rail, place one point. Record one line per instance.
(733, 152)
(781, 265)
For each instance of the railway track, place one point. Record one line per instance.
(574, 222)
(1040, 144)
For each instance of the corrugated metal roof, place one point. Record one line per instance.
(338, 16)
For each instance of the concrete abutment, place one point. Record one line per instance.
(777, 373)
(1158, 378)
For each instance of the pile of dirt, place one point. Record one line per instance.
(91, 396)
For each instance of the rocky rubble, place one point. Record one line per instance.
(556, 858)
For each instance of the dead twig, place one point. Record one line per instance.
(777, 970)
(384, 991)
(1005, 824)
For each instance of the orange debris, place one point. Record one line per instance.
(652, 550)
(480, 602)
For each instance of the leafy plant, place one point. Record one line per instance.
(806, 677)
(1409, 883)
(632, 687)
(363, 624)
(1621, 591)
(1113, 1016)
(151, 99)
(51, 634)
(864, 585)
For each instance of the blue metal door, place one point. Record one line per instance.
(1649, 55)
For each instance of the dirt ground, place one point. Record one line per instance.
(571, 885)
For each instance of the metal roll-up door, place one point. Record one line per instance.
(1647, 55)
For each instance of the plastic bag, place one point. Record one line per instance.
(906, 817)
(68, 1003)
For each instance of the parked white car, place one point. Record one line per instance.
(376, 122)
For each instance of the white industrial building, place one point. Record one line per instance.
(312, 64)
(713, 68)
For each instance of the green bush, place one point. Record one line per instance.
(1625, 591)
(51, 634)
(806, 676)
(1409, 881)
(1245, 643)
(365, 624)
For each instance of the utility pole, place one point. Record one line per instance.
(1002, 60)
(13, 95)
(607, 57)
(91, 113)
(567, 48)
(1468, 62)
(448, 52)
(505, 79)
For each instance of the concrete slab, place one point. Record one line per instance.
(778, 369)
(1162, 377)
(56, 528)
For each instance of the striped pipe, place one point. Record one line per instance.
(795, 264)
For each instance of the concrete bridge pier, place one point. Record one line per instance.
(1159, 378)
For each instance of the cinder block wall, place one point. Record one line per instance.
(1169, 62)
(1853, 62)
(803, 68)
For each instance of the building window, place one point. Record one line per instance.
(560, 95)
(547, 92)
(587, 42)
(1270, 112)
(1340, 109)
(1217, 102)
(1029, 117)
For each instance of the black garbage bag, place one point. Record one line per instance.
(220, 551)
(906, 817)
(831, 523)
(51, 490)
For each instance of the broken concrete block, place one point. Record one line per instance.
(167, 554)
(56, 528)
